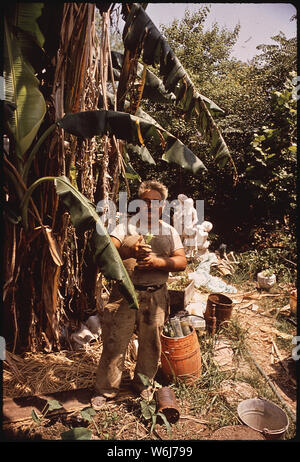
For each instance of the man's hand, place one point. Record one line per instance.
(177, 262)
(140, 250)
(148, 262)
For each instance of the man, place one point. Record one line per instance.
(149, 267)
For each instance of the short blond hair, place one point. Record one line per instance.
(153, 184)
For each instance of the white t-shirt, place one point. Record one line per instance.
(164, 242)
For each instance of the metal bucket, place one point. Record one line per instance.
(166, 404)
(264, 416)
(220, 306)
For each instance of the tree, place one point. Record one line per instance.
(244, 92)
(271, 171)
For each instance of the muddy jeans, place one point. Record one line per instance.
(118, 325)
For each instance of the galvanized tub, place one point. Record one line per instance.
(264, 416)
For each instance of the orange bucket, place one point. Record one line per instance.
(181, 357)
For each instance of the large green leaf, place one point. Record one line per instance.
(139, 113)
(134, 130)
(77, 433)
(84, 217)
(141, 34)
(24, 16)
(141, 151)
(21, 89)
(154, 88)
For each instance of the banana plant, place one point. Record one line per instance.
(154, 88)
(85, 218)
(134, 130)
(142, 37)
(22, 36)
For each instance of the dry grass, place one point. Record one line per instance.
(42, 373)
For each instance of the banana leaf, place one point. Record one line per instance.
(141, 34)
(154, 88)
(140, 113)
(24, 16)
(141, 151)
(134, 130)
(21, 84)
(84, 217)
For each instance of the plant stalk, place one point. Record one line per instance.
(35, 149)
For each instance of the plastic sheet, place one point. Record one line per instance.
(203, 278)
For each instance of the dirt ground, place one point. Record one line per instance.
(121, 419)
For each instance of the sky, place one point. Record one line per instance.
(258, 21)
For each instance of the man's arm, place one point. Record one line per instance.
(138, 250)
(176, 262)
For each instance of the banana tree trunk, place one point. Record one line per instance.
(47, 277)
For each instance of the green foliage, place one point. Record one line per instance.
(253, 95)
(267, 272)
(149, 406)
(88, 414)
(50, 405)
(148, 238)
(77, 433)
(133, 129)
(85, 218)
(280, 259)
(142, 37)
(273, 164)
(22, 38)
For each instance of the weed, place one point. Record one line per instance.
(49, 406)
(254, 261)
(148, 406)
(237, 335)
(87, 415)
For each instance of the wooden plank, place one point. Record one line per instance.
(20, 409)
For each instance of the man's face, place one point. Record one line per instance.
(153, 206)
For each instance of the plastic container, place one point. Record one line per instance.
(265, 282)
(197, 323)
(167, 404)
(176, 326)
(185, 326)
(181, 357)
(264, 416)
